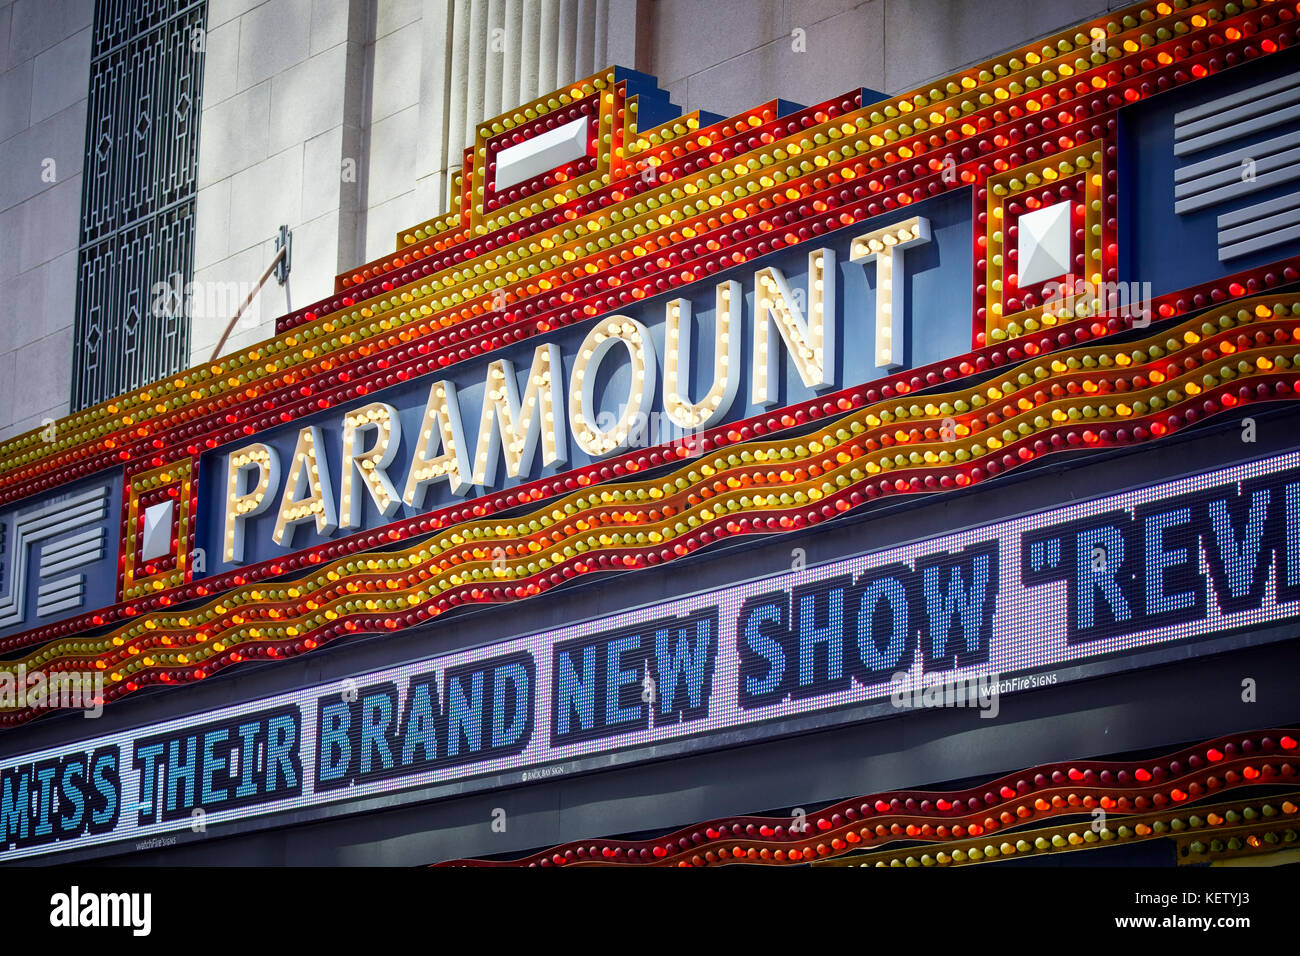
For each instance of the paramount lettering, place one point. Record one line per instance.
(476, 437)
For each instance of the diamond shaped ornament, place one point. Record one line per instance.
(1043, 245)
(157, 542)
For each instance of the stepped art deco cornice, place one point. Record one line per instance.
(660, 203)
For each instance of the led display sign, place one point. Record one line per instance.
(961, 618)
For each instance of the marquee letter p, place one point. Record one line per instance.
(243, 501)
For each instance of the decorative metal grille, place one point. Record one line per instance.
(137, 201)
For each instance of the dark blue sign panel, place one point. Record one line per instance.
(58, 553)
(1210, 177)
(935, 284)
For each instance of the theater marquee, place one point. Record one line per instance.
(638, 336)
(994, 609)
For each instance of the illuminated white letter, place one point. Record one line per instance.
(369, 463)
(520, 425)
(440, 430)
(245, 504)
(811, 342)
(677, 357)
(886, 246)
(308, 495)
(633, 336)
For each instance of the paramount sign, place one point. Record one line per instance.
(628, 382)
